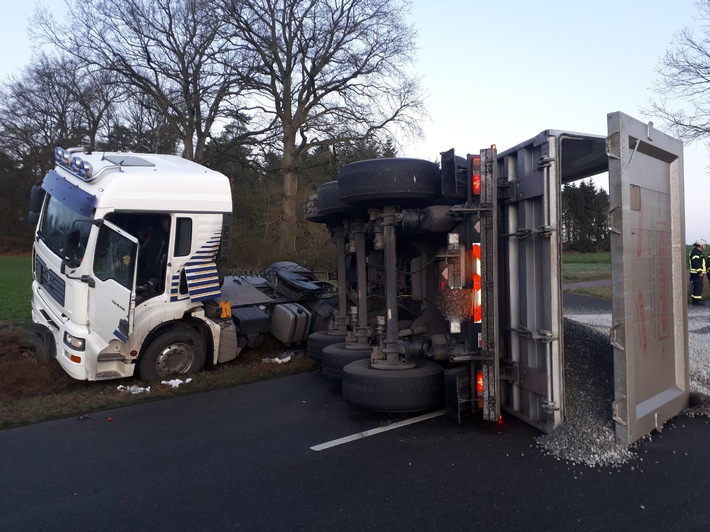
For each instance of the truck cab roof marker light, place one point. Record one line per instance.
(74, 164)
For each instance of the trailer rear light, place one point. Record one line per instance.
(479, 383)
(476, 175)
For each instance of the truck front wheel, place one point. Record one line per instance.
(32, 348)
(178, 351)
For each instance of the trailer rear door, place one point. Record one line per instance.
(530, 347)
(649, 278)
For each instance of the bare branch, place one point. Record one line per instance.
(172, 51)
(683, 83)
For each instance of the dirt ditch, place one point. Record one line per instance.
(20, 374)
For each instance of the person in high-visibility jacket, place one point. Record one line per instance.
(697, 268)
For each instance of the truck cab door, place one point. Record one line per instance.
(112, 300)
(649, 281)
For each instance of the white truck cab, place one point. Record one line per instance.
(125, 255)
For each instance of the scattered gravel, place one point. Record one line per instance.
(587, 434)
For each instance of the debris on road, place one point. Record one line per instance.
(133, 389)
(175, 383)
(284, 357)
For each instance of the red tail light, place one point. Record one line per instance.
(479, 383)
(476, 175)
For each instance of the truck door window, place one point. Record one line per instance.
(183, 237)
(115, 256)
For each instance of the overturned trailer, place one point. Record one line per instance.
(450, 281)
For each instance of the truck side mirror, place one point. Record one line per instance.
(36, 200)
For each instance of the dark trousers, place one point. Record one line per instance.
(696, 281)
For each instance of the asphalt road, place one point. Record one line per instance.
(242, 459)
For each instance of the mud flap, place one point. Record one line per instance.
(458, 389)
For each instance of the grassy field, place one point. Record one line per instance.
(577, 267)
(16, 288)
(580, 267)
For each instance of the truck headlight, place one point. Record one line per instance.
(74, 342)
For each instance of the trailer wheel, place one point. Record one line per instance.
(407, 390)
(318, 340)
(178, 351)
(335, 357)
(387, 181)
(310, 210)
(330, 206)
(33, 349)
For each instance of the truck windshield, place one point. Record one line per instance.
(64, 231)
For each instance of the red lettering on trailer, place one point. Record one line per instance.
(641, 315)
(662, 245)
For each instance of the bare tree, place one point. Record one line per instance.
(169, 50)
(683, 85)
(48, 105)
(137, 126)
(324, 72)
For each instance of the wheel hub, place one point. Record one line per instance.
(175, 358)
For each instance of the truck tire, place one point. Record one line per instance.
(310, 210)
(389, 181)
(335, 357)
(381, 390)
(33, 349)
(330, 206)
(178, 351)
(318, 340)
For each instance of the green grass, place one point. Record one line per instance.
(578, 267)
(16, 288)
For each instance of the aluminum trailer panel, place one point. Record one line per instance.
(649, 277)
(530, 350)
(649, 332)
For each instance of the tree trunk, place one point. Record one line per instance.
(289, 218)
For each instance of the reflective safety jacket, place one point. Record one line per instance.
(696, 262)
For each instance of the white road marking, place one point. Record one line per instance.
(372, 432)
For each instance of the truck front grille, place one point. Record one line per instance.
(50, 281)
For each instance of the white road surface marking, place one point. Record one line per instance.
(372, 432)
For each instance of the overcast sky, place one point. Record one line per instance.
(499, 72)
